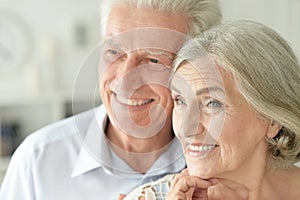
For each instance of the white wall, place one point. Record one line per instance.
(52, 26)
(281, 15)
(53, 58)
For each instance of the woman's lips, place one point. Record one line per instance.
(198, 150)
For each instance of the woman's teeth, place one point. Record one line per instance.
(201, 147)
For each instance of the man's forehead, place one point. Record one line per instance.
(123, 17)
(148, 38)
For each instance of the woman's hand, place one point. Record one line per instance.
(186, 187)
(121, 196)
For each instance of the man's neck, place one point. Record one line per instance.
(138, 145)
(139, 154)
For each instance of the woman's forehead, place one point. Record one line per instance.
(200, 73)
(203, 74)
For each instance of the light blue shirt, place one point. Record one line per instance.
(72, 159)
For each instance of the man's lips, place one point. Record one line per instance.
(133, 102)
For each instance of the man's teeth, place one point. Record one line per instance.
(201, 148)
(131, 102)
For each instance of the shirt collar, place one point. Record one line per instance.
(90, 142)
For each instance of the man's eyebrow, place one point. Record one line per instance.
(159, 52)
(154, 52)
(114, 43)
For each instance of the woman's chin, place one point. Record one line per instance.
(198, 172)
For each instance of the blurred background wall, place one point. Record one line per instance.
(43, 43)
(42, 46)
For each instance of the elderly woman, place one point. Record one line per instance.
(236, 92)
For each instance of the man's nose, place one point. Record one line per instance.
(129, 61)
(131, 73)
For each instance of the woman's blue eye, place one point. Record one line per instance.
(178, 101)
(153, 60)
(214, 104)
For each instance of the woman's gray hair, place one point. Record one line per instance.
(267, 73)
(201, 14)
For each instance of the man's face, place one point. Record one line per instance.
(135, 68)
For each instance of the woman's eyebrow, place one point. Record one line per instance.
(202, 90)
(209, 89)
(174, 89)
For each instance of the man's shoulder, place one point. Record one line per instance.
(65, 131)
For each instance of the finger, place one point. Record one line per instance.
(200, 194)
(179, 176)
(195, 182)
(176, 196)
(186, 183)
(185, 171)
(185, 186)
(214, 181)
(121, 196)
(189, 195)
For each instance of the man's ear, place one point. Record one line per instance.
(273, 129)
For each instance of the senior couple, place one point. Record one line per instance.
(229, 92)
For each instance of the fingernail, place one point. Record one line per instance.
(214, 181)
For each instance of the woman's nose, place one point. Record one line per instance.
(193, 123)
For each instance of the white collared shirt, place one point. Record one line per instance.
(72, 159)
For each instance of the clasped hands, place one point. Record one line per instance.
(186, 187)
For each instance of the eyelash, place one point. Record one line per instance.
(209, 105)
(112, 54)
(112, 51)
(153, 60)
(178, 100)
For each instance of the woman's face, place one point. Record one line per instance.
(219, 130)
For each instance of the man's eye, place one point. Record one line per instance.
(153, 60)
(112, 51)
(111, 54)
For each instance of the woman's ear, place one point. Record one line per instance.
(273, 129)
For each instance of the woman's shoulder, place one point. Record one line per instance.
(156, 190)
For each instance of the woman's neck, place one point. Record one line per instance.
(247, 181)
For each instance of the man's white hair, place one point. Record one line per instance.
(201, 14)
